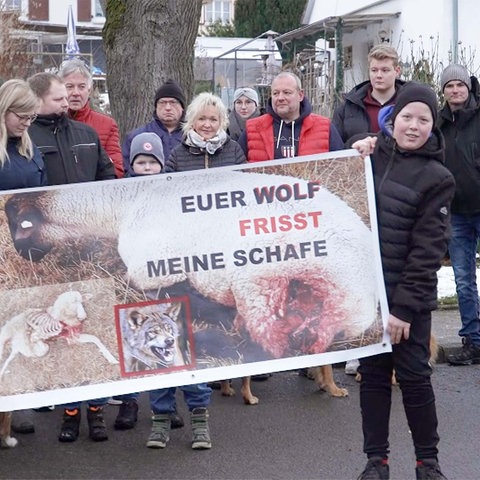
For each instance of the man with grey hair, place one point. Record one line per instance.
(289, 128)
(79, 82)
(459, 121)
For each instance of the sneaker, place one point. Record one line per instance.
(70, 425)
(200, 430)
(468, 354)
(160, 433)
(127, 415)
(97, 429)
(351, 367)
(429, 469)
(113, 401)
(376, 469)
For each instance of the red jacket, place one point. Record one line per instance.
(107, 130)
(314, 137)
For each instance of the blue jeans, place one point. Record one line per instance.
(163, 399)
(462, 249)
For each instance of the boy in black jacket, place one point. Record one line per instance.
(413, 194)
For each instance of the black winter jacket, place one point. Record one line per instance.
(461, 130)
(351, 117)
(71, 150)
(184, 157)
(413, 194)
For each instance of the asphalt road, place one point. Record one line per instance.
(296, 432)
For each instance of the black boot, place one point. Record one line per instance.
(127, 415)
(96, 424)
(70, 425)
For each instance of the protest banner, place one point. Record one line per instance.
(142, 283)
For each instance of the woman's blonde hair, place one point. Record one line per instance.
(198, 105)
(16, 96)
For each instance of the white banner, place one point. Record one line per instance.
(129, 285)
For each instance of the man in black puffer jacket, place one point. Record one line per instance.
(71, 150)
(359, 112)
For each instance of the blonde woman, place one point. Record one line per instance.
(21, 164)
(206, 143)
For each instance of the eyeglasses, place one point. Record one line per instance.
(25, 118)
(173, 103)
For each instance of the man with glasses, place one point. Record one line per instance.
(169, 106)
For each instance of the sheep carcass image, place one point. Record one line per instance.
(298, 268)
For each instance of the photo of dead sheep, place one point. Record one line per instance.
(64, 333)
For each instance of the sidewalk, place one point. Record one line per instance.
(445, 326)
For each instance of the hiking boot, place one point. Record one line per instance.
(97, 430)
(200, 431)
(176, 421)
(468, 354)
(127, 415)
(429, 469)
(160, 433)
(70, 425)
(376, 469)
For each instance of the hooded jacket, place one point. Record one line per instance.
(71, 150)
(413, 192)
(169, 140)
(107, 130)
(269, 137)
(461, 130)
(351, 116)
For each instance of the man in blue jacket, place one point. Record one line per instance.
(166, 123)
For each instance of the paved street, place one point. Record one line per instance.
(296, 432)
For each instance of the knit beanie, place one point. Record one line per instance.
(455, 72)
(246, 92)
(147, 143)
(416, 92)
(170, 89)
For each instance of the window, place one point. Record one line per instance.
(98, 9)
(218, 10)
(12, 4)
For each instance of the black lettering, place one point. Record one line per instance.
(241, 259)
(187, 204)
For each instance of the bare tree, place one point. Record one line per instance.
(15, 62)
(147, 42)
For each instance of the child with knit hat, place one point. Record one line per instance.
(413, 194)
(146, 154)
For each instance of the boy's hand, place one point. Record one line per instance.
(397, 329)
(365, 146)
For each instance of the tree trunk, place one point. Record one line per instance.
(147, 42)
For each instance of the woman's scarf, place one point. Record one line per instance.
(211, 146)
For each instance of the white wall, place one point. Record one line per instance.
(423, 25)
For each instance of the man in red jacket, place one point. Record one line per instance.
(289, 128)
(78, 80)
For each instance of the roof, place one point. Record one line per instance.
(234, 47)
(351, 22)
